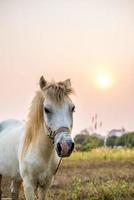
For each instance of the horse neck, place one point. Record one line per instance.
(44, 145)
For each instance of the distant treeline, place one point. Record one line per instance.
(85, 141)
(126, 140)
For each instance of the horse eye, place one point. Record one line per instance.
(47, 110)
(73, 109)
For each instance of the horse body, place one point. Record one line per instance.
(30, 151)
(38, 167)
(11, 132)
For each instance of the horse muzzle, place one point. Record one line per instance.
(64, 144)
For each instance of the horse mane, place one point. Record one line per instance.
(35, 124)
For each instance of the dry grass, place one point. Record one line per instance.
(98, 180)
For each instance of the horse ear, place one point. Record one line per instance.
(42, 82)
(67, 83)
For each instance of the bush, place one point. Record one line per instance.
(86, 142)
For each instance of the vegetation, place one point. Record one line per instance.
(126, 140)
(112, 141)
(104, 154)
(86, 142)
(103, 174)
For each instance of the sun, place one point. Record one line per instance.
(104, 80)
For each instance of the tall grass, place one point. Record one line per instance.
(104, 154)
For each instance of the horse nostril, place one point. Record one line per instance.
(59, 148)
(72, 147)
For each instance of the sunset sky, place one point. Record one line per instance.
(89, 41)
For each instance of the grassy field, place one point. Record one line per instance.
(102, 174)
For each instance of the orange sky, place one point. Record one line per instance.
(69, 39)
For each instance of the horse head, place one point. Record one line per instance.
(58, 114)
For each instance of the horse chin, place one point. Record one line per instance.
(63, 155)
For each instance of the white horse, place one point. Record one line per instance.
(30, 152)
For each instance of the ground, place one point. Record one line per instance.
(84, 177)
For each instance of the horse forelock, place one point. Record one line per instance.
(35, 124)
(57, 91)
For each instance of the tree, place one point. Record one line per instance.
(126, 140)
(111, 141)
(86, 142)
